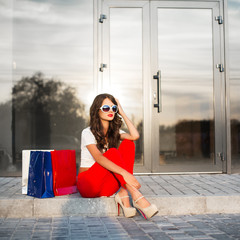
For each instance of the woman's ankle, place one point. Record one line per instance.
(141, 201)
(123, 192)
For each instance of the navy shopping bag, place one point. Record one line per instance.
(40, 179)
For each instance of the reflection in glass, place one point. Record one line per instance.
(126, 65)
(6, 163)
(52, 73)
(186, 127)
(234, 63)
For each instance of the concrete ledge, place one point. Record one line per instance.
(180, 205)
(16, 208)
(75, 205)
(223, 204)
(197, 205)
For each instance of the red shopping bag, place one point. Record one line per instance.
(64, 172)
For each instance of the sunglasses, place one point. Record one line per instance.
(106, 108)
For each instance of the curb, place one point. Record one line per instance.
(105, 206)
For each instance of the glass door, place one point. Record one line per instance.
(188, 87)
(125, 69)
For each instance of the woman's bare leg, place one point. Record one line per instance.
(122, 193)
(135, 193)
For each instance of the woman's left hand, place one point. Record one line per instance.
(131, 180)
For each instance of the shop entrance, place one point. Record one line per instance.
(164, 60)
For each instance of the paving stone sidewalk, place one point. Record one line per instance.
(187, 227)
(191, 185)
(156, 185)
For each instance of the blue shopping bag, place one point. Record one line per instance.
(40, 179)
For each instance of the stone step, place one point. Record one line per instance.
(105, 206)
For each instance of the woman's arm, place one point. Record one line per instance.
(106, 163)
(133, 132)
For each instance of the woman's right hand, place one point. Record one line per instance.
(131, 180)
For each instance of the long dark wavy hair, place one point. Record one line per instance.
(112, 138)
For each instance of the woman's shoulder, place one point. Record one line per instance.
(87, 129)
(87, 136)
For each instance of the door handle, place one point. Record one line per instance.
(158, 105)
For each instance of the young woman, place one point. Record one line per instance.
(105, 168)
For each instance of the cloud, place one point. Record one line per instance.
(54, 13)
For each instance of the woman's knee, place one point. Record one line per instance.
(115, 156)
(127, 149)
(112, 151)
(128, 144)
(112, 154)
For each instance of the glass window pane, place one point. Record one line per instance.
(186, 127)
(52, 54)
(6, 164)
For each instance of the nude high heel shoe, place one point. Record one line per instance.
(147, 212)
(128, 211)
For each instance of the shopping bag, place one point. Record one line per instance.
(40, 180)
(25, 168)
(64, 172)
(48, 177)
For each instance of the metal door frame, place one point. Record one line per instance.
(101, 55)
(104, 77)
(219, 99)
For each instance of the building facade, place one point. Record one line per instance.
(174, 65)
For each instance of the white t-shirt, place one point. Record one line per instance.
(88, 138)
